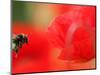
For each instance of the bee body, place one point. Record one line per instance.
(18, 41)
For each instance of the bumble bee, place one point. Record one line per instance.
(18, 41)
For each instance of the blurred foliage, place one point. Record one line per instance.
(38, 14)
(19, 11)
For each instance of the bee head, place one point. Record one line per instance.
(22, 38)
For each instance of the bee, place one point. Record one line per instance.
(18, 41)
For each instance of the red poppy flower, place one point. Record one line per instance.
(74, 33)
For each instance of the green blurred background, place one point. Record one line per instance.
(38, 14)
(18, 11)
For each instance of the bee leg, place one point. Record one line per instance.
(20, 45)
(16, 49)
